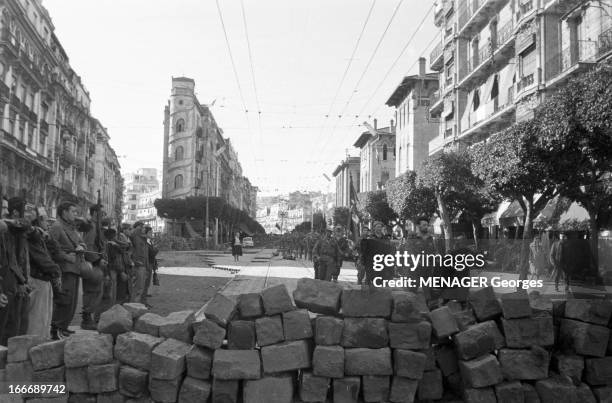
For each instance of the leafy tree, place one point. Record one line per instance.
(341, 216)
(318, 222)
(513, 165)
(576, 126)
(409, 199)
(378, 208)
(455, 188)
(303, 227)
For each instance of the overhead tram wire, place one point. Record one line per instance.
(346, 70)
(397, 59)
(248, 41)
(382, 37)
(229, 50)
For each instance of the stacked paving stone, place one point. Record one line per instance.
(327, 344)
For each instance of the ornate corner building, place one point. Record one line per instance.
(50, 145)
(198, 160)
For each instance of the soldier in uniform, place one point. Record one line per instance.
(344, 248)
(327, 255)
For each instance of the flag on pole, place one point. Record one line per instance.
(353, 200)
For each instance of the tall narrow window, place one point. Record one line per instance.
(384, 152)
(178, 154)
(180, 126)
(178, 181)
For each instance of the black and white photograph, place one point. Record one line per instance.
(292, 201)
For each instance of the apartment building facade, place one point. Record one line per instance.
(377, 156)
(414, 128)
(347, 172)
(499, 58)
(50, 145)
(142, 182)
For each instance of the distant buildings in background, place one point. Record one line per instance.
(286, 212)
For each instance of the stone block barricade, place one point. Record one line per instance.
(329, 344)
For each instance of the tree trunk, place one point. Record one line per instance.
(475, 232)
(527, 230)
(446, 223)
(594, 239)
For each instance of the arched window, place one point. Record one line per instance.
(178, 153)
(180, 125)
(178, 181)
(384, 152)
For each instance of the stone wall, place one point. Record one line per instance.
(330, 344)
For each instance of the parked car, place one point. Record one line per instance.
(247, 242)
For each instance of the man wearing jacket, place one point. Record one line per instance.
(93, 286)
(327, 255)
(140, 257)
(43, 270)
(8, 280)
(64, 232)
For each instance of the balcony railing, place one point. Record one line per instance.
(504, 33)
(605, 42)
(448, 133)
(67, 158)
(580, 52)
(436, 53)
(525, 82)
(468, 9)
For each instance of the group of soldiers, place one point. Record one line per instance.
(43, 263)
(330, 248)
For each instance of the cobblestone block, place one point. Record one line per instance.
(446, 357)
(409, 307)
(584, 338)
(540, 304)
(598, 371)
(481, 372)
(476, 340)
(178, 325)
(569, 365)
(149, 323)
(409, 364)
(3, 356)
(443, 322)
(269, 330)
(365, 332)
(366, 361)
(328, 361)
(220, 309)
(102, 378)
(510, 392)
(595, 311)
(88, 349)
(194, 391)
(241, 335)
(135, 349)
(403, 390)
(112, 397)
(376, 388)
(556, 389)
(136, 309)
(313, 388)
(328, 330)
(47, 355)
(276, 300)
(270, 389)
(19, 346)
(372, 302)
(76, 380)
(515, 305)
(164, 391)
(225, 391)
(318, 296)
(485, 304)
(208, 334)
(530, 393)
(57, 374)
(168, 359)
(586, 395)
(464, 319)
(524, 364)
(132, 381)
(526, 332)
(287, 356)
(250, 306)
(199, 362)
(483, 395)
(430, 386)
(410, 336)
(346, 390)
(115, 321)
(236, 364)
(297, 325)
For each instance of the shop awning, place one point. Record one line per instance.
(492, 218)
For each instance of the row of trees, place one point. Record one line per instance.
(564, 150)
(194, 208)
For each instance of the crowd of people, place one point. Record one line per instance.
(43, 264)
(328, 249)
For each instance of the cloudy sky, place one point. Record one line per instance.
(126, 51)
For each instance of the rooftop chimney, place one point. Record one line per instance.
(421, 67)
(375, 124)
(392, 127)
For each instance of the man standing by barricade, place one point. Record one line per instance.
(93, 285)
(140, 256)
(326, 255)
